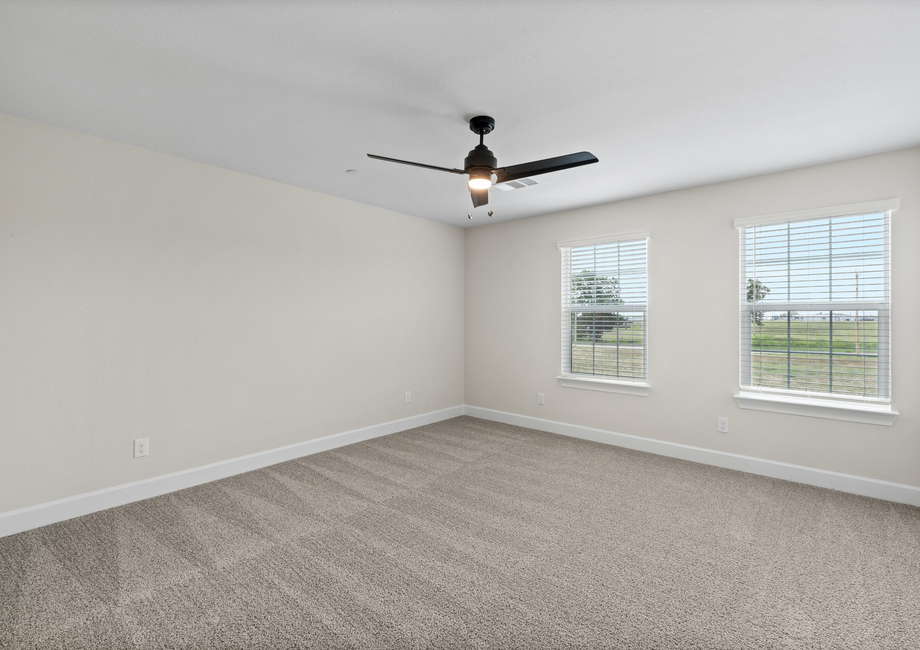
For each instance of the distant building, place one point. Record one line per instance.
(820, 316)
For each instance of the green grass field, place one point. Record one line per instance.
(807, 367)
(606, 358)
(816, 335)
(851, 375)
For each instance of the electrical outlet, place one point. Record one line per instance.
(540, 399)
(408, 396)
(723, 425)
(141, 447)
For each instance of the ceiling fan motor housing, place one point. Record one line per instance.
(480, 162)
(480, 159)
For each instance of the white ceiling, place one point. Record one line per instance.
(666, 94)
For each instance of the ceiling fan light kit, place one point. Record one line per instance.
(481, 164)
(480, 180)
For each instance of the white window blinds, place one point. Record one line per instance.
(815, 305)
(605, 308)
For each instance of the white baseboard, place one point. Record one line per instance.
(17, 521)
(868, 487)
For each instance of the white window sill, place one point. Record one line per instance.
(880, 414)
(606, 385)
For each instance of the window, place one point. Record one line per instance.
(815, 309)
(605, 314)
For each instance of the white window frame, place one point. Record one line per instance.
(567, 379)
(867, 410)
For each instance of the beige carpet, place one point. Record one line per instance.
(472, 534)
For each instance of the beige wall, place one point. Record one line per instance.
(513, 322)
(218, 314)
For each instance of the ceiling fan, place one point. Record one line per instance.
(481, 163)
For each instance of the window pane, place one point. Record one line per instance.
(816, 351)
(608, 344)
(821, 260)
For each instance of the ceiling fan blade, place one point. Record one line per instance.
(544, 166)
(415, 164)
(480, 197)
